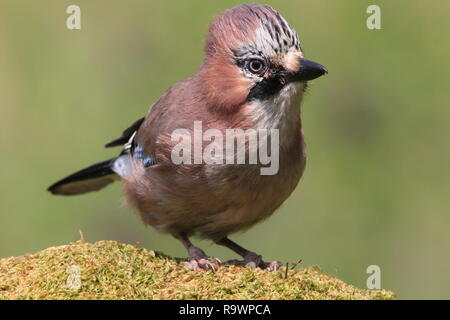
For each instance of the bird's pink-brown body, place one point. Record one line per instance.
(211, 200)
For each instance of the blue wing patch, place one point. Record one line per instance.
(138, 154)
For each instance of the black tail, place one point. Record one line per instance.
(89, 179)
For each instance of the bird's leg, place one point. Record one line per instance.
(197, 257)
(250, 258)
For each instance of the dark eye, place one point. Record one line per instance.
(256, 66)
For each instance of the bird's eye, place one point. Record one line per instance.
(256, 66)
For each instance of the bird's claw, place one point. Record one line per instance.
(217, 260)
(253, 260)
(270, 266)
(203, 263)
(273, 265)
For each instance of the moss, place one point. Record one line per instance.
(111, 270)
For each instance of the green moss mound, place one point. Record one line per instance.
(111, 270)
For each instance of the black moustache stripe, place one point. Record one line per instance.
(266, 88)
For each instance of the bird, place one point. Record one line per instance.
(253, 77)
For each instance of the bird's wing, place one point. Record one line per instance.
(126, 134)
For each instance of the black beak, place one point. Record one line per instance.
(309, 70)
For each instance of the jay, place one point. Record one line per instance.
(253, 77)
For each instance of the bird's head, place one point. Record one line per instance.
(251, 53)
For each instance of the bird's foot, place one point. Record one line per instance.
(199, 260)
(253, 260)
(205, 264)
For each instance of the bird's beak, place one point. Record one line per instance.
(309, 70)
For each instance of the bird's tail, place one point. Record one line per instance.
(92, 178)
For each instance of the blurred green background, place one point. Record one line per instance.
(376, 189)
